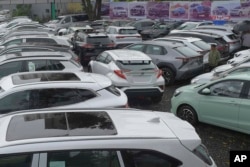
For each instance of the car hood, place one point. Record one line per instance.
(203, 78)
(222, 68)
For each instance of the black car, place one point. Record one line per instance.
(90, 45)
(222, 45)
(141, 25)
(157, 30)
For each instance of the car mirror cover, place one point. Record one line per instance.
(206, 91)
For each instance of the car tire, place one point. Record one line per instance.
(187, 113)
(168, 75)
(156, 99)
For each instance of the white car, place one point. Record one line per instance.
(119, 11)
(240, 11)
(190, 25)
(123, 36)
(100, 138)
(243, 53)
(60, 89)
(70, 32)
(194, 43)
(213, 75)
(225, 28)
(132, 71)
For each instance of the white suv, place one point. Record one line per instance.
(132, 71)
(48, 89)
(123, 36)
(100, 138)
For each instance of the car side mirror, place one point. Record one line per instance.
(206, 91)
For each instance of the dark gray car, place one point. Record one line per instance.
(177, 61)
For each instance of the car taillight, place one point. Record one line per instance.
(184, 59)
(89, 46)
(162, 87)
(220, 47)
(126, 106)
(111, 45)
(158, 72)
(120, 74)
(77, 59)
(120, 37)
(138, 36)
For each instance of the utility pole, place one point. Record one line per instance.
(53, 10)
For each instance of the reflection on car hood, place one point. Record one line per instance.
(203, 78)
(222, 68)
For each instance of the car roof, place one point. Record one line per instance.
(124, 54)
(196, 33)
(212, 32)
(81, 28)
(139, 124)
(32, 36)
(164, 43)
(189, 39)
(12, 57)
(240, 76)
(37, 78)
(124, 27)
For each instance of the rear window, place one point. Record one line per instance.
(232, 37)
(45, 125)
(128, 31)
(78, 18)
(102, 40)
(202, 45)
(220, 41)
(186, 51)
(137, 65)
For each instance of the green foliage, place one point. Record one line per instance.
(22, 10)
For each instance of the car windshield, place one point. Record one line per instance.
(201, 44)
(128, 31)
(57, 20)
(186, 51)
(98, 39)
(136, 65)
(188, 26)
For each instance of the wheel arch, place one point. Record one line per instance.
(186, 104)
(170, 66)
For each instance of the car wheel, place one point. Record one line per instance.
(156, 99)
(168, 75)
(187, 113)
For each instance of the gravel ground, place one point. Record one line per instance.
(219, 141)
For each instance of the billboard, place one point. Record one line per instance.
(179, 10)
(137, 10)
(200, 10)
(118, 10)
(158, 10)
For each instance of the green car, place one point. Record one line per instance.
(224, 102)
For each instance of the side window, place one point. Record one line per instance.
(16, 160)
(154, 50)
(15, 41)
(101, 57)
(136, 47)
(36, 65)
(145, 158)
(15, 102)
(10, 68)
(86, 158)
(55, 65)
(227, 88)
(40, 40)
(67, 20)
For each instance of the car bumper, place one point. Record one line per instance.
(142, 91)
(187, 74)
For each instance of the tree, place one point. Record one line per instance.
(93, 10)
(22, 10)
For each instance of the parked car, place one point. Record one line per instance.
(137, 10)
(242, 53)
(131, 71)
(232, 40)
(119, 23)
(199, 10)
(123, 36)
(220, 10)
(91, 44)
(176, 60)
(211, 76)
(120, 11)
(141, 25)
(193, 43)
(157, 30)
(222, 45)
(178, 11)
(61, 89)
(66, 21)
(190, 25)
(223, 102)
(29, 62)
(159, 9)
(226, 28)
(100, 137)
(240, 11)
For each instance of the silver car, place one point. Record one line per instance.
(132, 71)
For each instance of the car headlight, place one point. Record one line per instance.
(195, 80)
(177, 93)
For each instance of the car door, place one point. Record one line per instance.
(157, 53)
(100, 65)
(221, 106)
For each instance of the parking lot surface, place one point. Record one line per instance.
(219, 141)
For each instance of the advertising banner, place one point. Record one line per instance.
(105, 9)
(118, 10)
(200, 10)
(137, 10)
(179, 10)
(158, 10)
(240, 10)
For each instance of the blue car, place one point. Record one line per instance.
(220, 10)
(179, 11)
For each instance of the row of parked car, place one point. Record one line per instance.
(53, 113)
